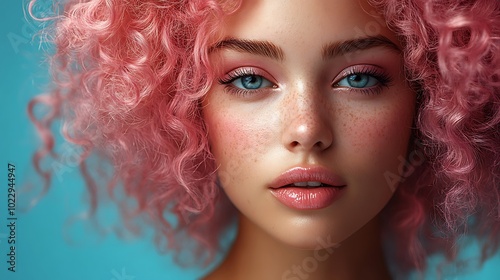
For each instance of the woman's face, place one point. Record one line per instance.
(312, 94)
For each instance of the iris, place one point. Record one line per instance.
(249, 82)
(358, 81)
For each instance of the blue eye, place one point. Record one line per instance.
(358, 81)
(251, 82)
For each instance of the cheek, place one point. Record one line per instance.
(367, 131)
(377, 141)
(236, 142)
(383, 131)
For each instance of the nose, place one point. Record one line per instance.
(307, 122)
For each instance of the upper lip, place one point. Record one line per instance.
(307, 174)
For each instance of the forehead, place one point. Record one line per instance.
(305, 23)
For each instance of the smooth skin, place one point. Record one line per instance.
(300, 106)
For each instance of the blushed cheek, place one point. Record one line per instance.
(379, 137)
(237, 144)
(383, 129)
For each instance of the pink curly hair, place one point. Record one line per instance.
(129, 75)
(451, 54)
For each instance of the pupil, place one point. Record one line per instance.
(358, 80)
(251, 82)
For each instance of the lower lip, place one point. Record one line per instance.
(307, 199)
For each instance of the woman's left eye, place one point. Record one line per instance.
(251, 82)
(358, 81)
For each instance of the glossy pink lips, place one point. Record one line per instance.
(290, 188)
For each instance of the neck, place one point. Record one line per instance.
(257, 255)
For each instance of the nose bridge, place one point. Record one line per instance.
(306, 121)
(300, 98)
(309, 108)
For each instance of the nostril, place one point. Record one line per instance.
(320, 145)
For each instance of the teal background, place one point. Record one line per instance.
(46, 248)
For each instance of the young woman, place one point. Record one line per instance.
(349, 140)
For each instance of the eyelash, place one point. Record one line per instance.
(236, 74)
(384, 80)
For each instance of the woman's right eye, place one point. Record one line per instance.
(251, 82)
(246, 82)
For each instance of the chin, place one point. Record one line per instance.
(313, 236)
(325, 230)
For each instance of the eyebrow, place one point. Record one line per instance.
(331, 50)
(263, 48)
(344, 47)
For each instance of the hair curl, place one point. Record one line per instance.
(451, 50)
(128, 77)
